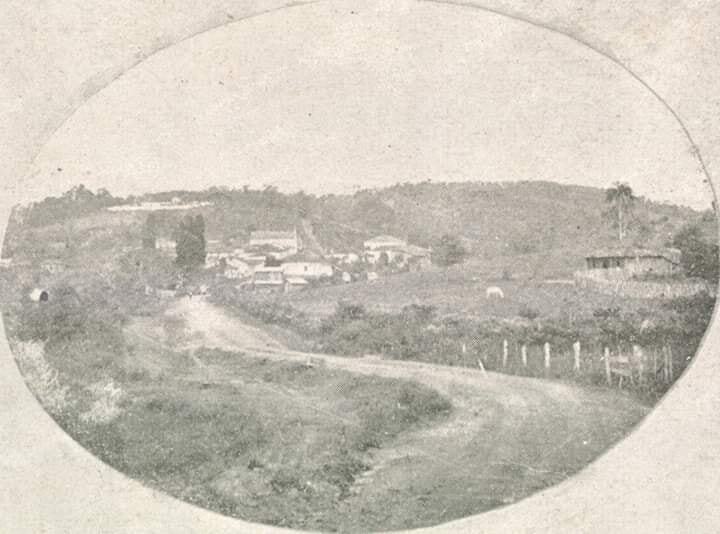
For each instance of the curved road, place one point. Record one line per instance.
(507, 436)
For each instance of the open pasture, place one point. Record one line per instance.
(456, 291)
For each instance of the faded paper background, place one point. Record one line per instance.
(58, 55)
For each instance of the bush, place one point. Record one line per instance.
(528, 312)
(106, 403)
(349, 311)
(448, 250)
(41, 378)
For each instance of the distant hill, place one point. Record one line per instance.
(548, 225)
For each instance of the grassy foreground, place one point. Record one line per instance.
(277, 443)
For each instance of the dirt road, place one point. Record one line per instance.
(506, 438)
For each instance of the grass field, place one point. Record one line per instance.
(462, 292)
(277, 443)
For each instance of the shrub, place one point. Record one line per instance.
(422, 313)
(106, 404)
(448, 250)
(41, 378)
(528, 312)
(349, 311)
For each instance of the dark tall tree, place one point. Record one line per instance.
(699, 256)
(621, 200)
(190, 242)
(448, 251)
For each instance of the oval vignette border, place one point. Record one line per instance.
(471, 523)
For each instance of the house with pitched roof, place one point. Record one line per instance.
(279, 244)
(396, 251)
(635, 261)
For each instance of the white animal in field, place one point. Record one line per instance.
(494, 292)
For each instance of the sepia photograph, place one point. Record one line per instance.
(360, 267)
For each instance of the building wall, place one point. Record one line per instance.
(389, 243)
(631, 266)
(268, 277)
(373, 256)
(307, 269)
(651, 265)
(289, 246)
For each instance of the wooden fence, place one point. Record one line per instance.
(631, 366)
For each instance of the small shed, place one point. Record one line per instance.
(663, 262)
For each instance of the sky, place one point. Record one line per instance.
(329, 99)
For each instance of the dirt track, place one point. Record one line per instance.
(507, 436)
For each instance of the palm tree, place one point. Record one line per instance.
(621, 197)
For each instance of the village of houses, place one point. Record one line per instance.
(275, 260)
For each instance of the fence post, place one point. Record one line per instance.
(654, 366)
(640, 358)
(606, 357)
(523, 354)
(546, 351)
(666, 364)
(576, 356)
(505, 353)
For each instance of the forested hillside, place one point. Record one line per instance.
(542, 222)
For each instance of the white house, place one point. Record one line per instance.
(345, 258)
(308, 270)
(383, 244)
(268, 278)
(281, 244)
(395, 250)
(164, 245)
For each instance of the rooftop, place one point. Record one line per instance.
(297, 281)
(265, 269)
(385, 239)
(305, 256)
(670, 254)
(272, 234)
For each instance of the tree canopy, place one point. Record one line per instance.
(621, 199)
(448, 251)
(190, 242)
(699, 257)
